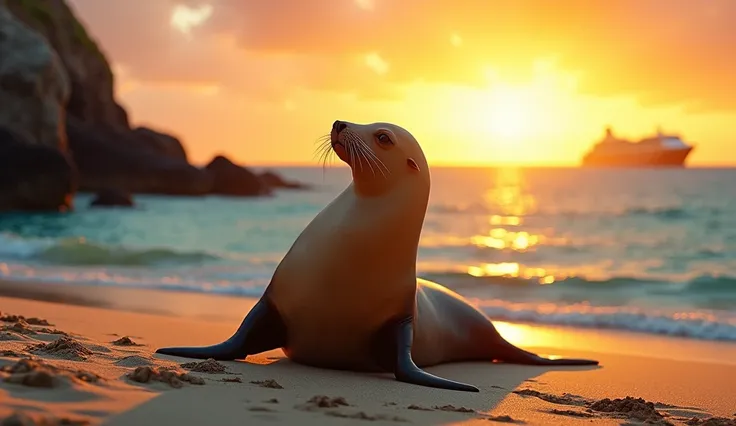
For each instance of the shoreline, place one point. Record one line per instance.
(681, 389)
(229, 310)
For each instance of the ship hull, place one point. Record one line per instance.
(664, 158)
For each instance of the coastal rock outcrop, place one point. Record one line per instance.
(57, 90)
(231, 179)
(34, 176)
(273, 180)
(91, 79)
(34, 87)
(112, 198)
(35, 171)
(158, 143)
(110, 158)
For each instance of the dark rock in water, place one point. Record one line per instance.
(112, 198)
(275, 181)
(231, 179)
(111, 158)
(34, 177)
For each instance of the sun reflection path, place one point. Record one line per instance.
(509, 196)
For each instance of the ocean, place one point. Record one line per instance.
(649, 251)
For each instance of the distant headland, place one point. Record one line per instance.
(62, 131)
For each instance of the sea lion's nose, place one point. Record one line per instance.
(338, 126)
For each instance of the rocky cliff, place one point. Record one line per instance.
(34, 86)
(36, 173)
(57, 90)
(92, 100)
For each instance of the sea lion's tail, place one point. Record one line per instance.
(514, 355)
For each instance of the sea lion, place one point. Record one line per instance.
(346, 295)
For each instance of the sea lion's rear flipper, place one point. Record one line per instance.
(506, 352)
(393, 353)
(261, 330)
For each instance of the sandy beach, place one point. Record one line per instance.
(81, 363)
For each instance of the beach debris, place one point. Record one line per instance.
(63, 347)
(134, 361)
(207, 366)
(711, 421)
(564, 399)
(173, 378)
(23, 419)
(20, 327)
(270, 383)
(271, 401)
(7, 336)
(571, 413)
(634, 408)
(125, 341)
(261, 409)
(504, 419)
(454, 409)
(360, 415)
(232, 380)
(418, 407)
(38, 374)
(45, 330)
(387, 404)
(21, 318)
(322, 401)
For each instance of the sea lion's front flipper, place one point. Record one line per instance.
(261, 330)
(393, 352)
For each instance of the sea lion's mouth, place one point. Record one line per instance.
(340, 150)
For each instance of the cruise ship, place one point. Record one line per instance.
(660, 150)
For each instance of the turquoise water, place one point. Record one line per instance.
(652, 251)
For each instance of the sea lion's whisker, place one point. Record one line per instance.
(353, 140)
(325, 153)
(351, 150)
(322, 150)
(357, 155)
(361, 150)
(375, 159)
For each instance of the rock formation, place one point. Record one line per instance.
(273, 180)
(231, 179)
(111, 158)
(57, 91)
(92, 97)
(112, 198)
(34, 87)
(35, 171)
(34, 176)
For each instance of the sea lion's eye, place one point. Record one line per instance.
(384, 139)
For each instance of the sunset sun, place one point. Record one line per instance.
(509, 112)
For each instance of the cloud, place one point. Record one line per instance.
(662, 51)
(184, 17)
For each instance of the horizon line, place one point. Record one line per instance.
(484, 165)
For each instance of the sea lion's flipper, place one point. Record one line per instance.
(261, 330)
(506, 352)
(393, 352)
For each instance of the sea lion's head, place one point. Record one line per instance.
(381, 155)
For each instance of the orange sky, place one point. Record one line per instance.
(476, 81)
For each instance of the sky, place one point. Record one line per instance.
(477, 82)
